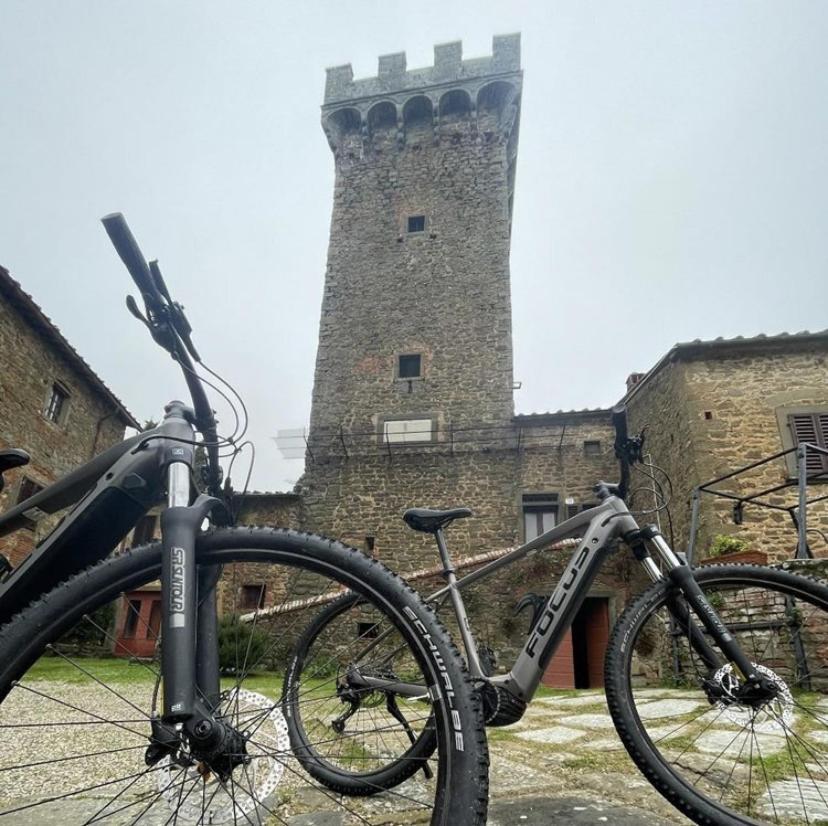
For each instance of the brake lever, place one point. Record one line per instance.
(132, 306)
(175, 310)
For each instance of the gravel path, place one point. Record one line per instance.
(563, 745)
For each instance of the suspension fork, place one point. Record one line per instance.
(681, 575)
(182, 615)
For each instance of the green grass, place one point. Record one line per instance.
(107, 670)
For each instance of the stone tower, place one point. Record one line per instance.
(415, 336)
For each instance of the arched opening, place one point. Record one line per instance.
(492, 101)
(455, 115)
(418, 114)
(382, 121)
(456, 102)
(344, 129)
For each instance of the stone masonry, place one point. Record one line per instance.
(35, 357)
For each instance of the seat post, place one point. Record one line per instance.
(450, 576)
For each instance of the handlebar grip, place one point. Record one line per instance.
(130, 253)
(619, 422)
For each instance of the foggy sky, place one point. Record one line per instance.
(672, 180)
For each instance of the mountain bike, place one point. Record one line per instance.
(741, 737)
(194, 733)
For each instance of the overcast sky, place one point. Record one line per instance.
(672, 179)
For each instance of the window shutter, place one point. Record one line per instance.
(811, 428)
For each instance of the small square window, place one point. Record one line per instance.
(409, 366)
(367, 630)
(416, 223)
(592, 448)
(252, 597)
(56, 404)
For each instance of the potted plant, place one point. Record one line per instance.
(725, 548)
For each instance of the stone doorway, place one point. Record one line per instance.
(579, 660)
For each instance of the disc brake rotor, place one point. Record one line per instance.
(235, 800)
(779, 710)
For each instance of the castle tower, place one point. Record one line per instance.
(415, 334)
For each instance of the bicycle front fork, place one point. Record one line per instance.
(681, 575)
(189, 643)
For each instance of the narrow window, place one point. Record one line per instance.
(416, 223)
(154, 629)
(408, 430)
(252, 597)
(408, 366)
(369, 544)
(592, 448)
(812, 429)
(56, 405)
(145, 530)
(132, 616)
(540, 514)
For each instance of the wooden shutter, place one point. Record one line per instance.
(811, 428)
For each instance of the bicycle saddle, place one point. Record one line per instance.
(431, 521)
(11, 458)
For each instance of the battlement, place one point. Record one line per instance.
(449, 67)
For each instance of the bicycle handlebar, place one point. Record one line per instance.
(169, 328)
(130, 253)
(619, 422)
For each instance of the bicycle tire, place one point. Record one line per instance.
(345, 779)
(780, 745)
(458, 793)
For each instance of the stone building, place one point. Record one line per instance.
(714, 406)
(52, 404)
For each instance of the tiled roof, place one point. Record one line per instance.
(587, 412)
(721, 345)
(35, 316)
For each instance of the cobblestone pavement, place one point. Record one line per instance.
(562, 763)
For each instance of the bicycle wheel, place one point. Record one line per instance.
(344, 642)
(76, 728)
(718, 756)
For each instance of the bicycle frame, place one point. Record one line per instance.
(601, 530)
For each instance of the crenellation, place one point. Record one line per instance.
(449, 68)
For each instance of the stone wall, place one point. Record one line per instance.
(712, 410)
(30, 366)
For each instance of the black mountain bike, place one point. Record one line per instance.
(716, 678)
(197, 734)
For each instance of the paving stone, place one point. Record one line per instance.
(568, 702)
(318, 819)
(667, 708)
(730, 743)
(788, 796)
(588, 721)
(556, 734)
(605, 744)
(818, 736)
(543, 811)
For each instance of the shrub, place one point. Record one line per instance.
(240, 643)
(725, 544)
